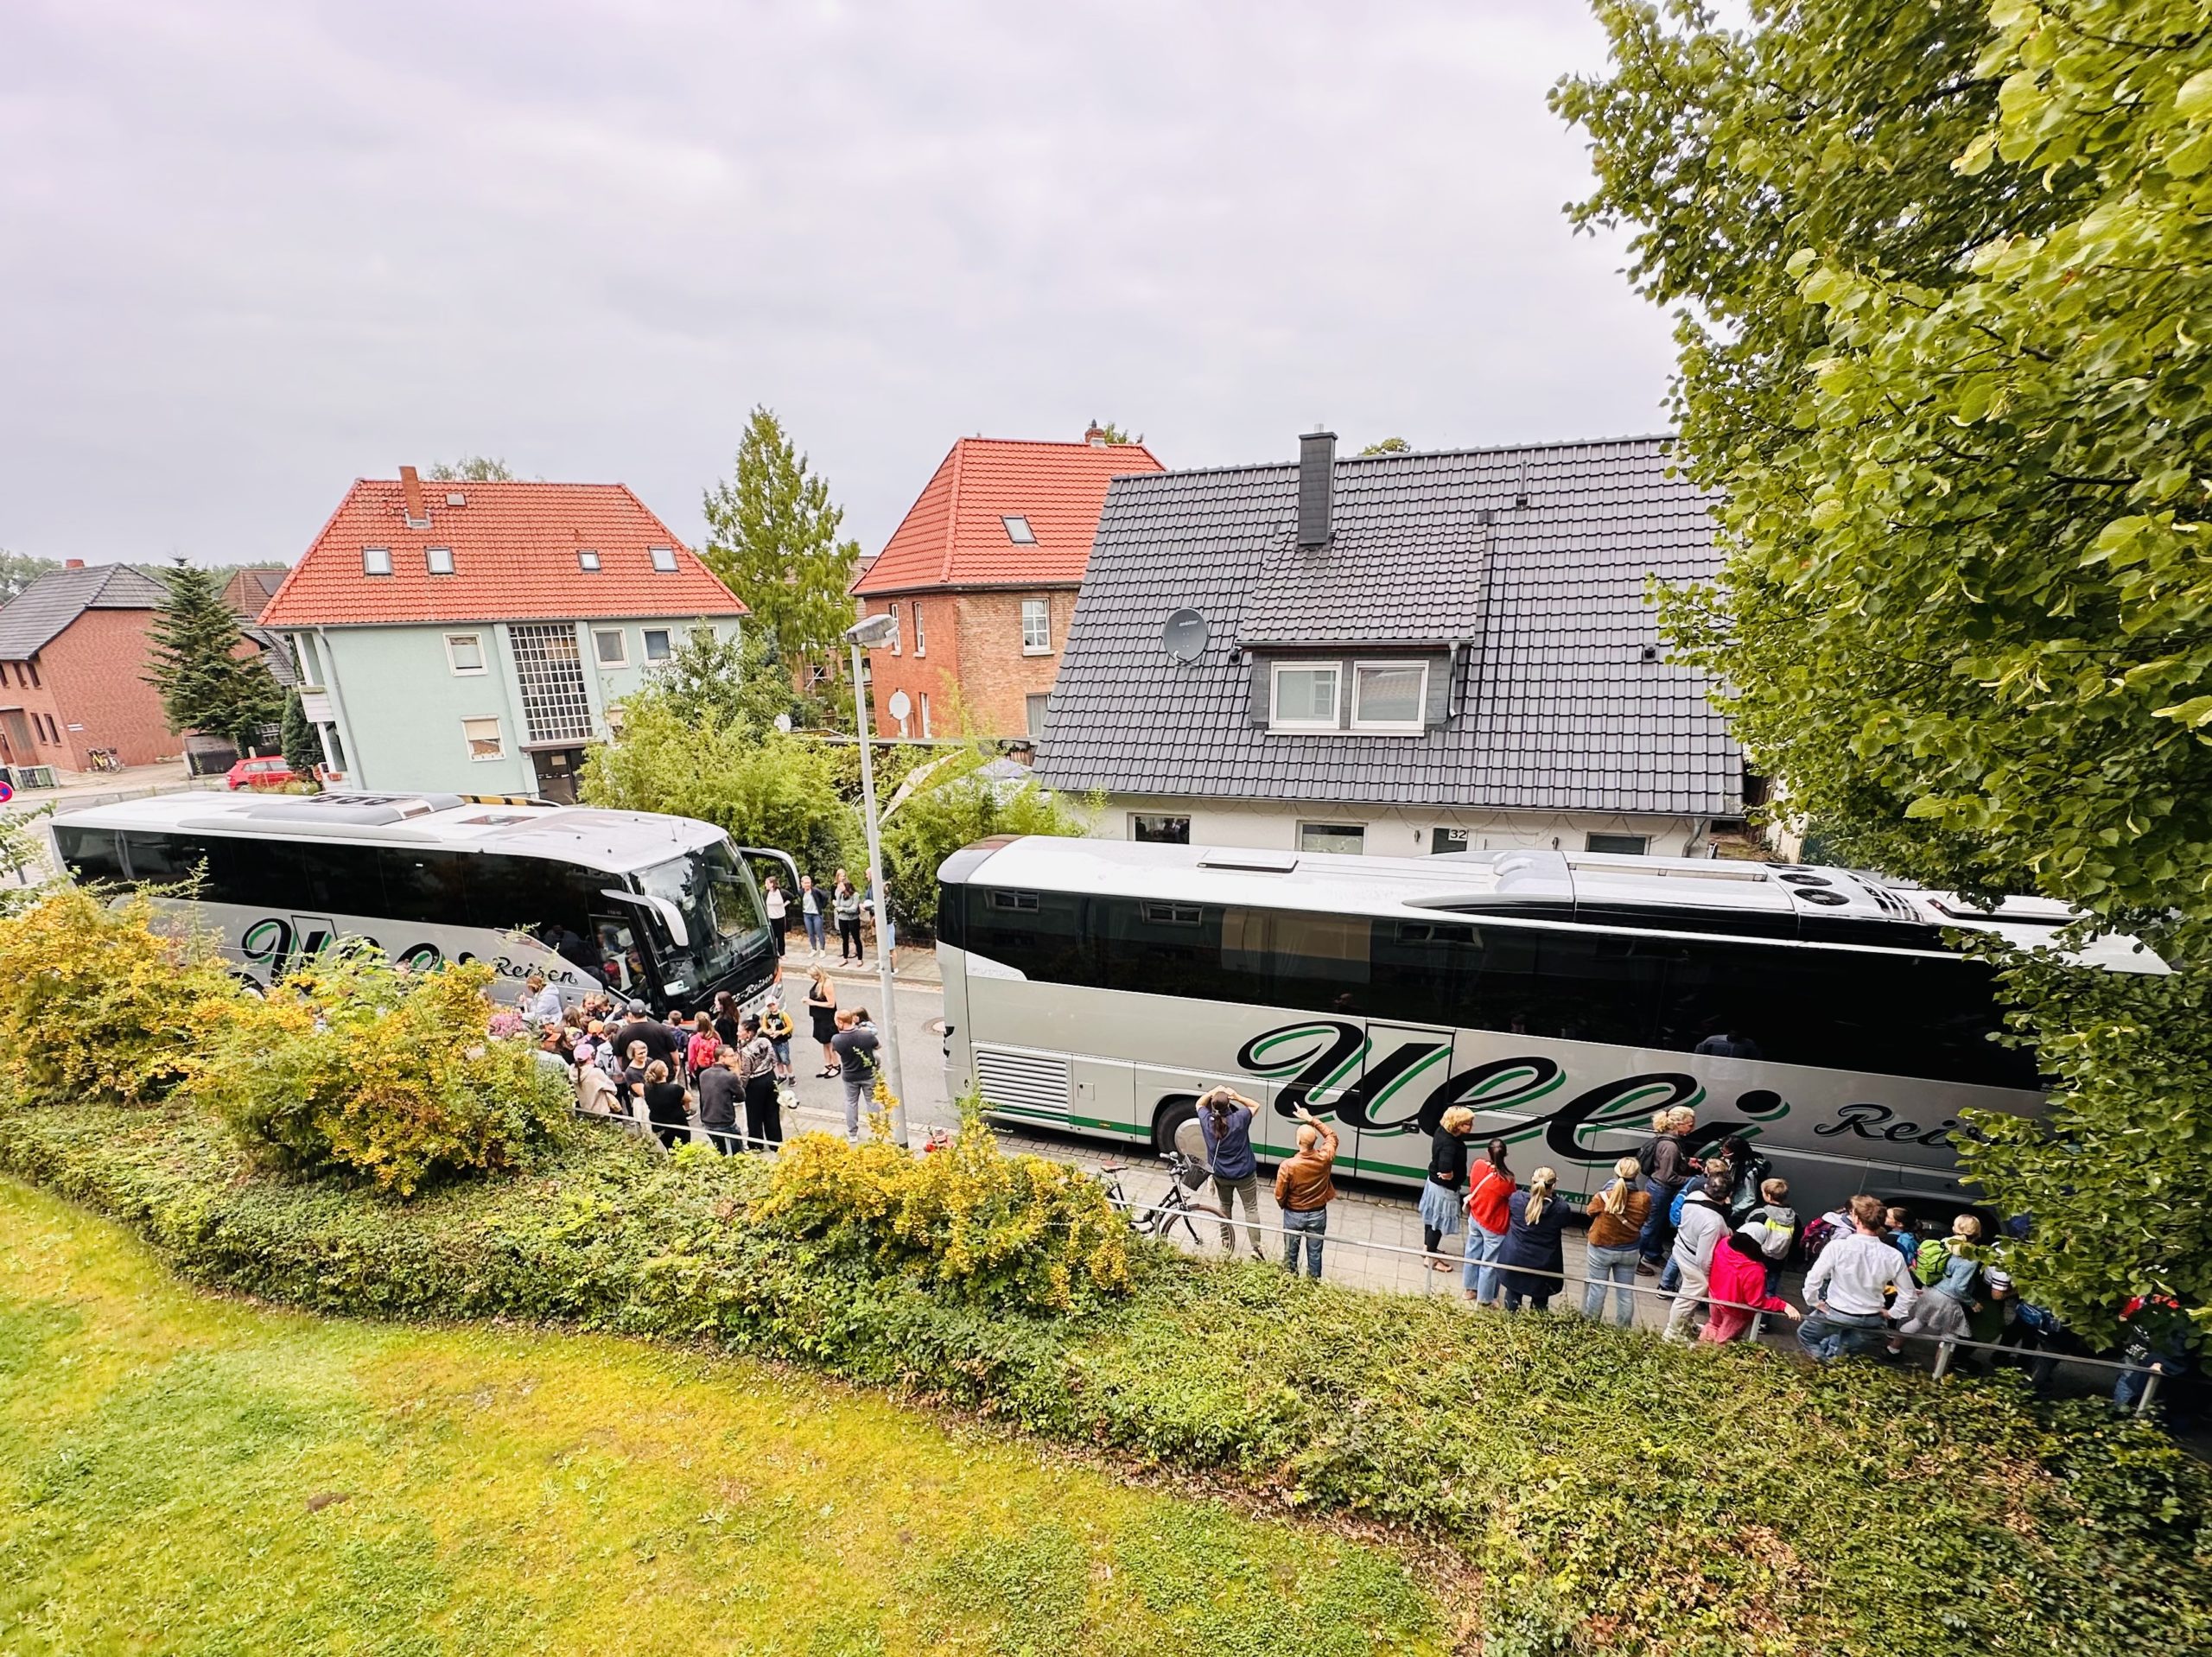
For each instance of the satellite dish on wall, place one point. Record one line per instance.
(784, 723)
(1184, 636)
(900, 704)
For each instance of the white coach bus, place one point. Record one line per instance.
(1101, 986)
(658, 908)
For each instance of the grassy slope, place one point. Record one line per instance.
(509, 1491)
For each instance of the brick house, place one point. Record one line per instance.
(478, 638)
(72, 669)
(249, 590)
(982, 573)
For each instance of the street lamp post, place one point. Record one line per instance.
(873, 632)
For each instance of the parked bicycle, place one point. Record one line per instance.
(105, 760)
(1177, 1207)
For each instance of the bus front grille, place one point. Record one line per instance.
(1028, 1084)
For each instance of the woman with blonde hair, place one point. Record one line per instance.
(1534, 1260)
(1617, 1216)
(1447, 1184)
(822, 1011)
(1953, 1280)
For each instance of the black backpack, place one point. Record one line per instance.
(1648, 1153)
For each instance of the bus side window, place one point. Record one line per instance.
(1293, 959)
(1039, 934)
(317, 878)
(225, 877)
(1158, 947)
(90, 853)
(425, 887)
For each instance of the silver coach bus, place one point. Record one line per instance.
(1101, 986)
(660, 908)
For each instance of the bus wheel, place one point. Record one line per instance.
(1169, 1119)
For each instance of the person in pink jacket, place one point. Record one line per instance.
(1737, 1280)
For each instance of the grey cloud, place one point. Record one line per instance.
(248, 253)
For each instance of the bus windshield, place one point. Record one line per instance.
(712, 889)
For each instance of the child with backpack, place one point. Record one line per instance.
(1952, 1277)
(1776, 1225)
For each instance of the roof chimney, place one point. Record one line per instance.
(1096, 437)
(411, 490)
(1317, 488)
(73, 563)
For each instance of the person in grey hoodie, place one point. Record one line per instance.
(1704, 1221)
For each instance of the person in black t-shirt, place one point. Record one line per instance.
(661, 1042)
(665, 1103)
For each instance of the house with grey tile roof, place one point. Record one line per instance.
(1399, 653)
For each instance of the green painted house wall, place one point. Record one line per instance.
(399, 696)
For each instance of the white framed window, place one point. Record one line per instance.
(465, 652)
(610, 647)
(1303, 695)
(376, 561)
(1389, 697)
(1158, 829)
(925, 714)
(921, 638)
(898, 633)
(587, 561)
(1623, 845)
(1332, 837)
(1036, 626)
(1035, 704)
(1447, 840)
(438, 560)
(484, 739)
(657, 645)
(1018, 530)
(663, 559)
(616, 713)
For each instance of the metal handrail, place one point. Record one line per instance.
(1945, 1345)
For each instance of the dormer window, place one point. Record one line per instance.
(438, 560)
(1305, 696)
(1019, 532)
(663, 559)
(376, 561)
(1369, 698)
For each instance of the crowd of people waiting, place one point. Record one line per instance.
(1714, 1226)
(728, 1070)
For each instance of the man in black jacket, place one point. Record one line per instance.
(719, 1091)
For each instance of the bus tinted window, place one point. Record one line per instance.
(423, 885)
(1298, 959)
(315, 878)
(1159, 949)
(1040, 934)
(551, 901)
(224, 876)
(90, 853)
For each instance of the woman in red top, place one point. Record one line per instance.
(1738, 1275)
(1489, 1183)
(699, 1052)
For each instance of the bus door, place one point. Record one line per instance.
(618, 955)
(1403, 1065)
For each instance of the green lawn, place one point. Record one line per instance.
(179, 1473)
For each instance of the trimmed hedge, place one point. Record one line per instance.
(1619, 1495)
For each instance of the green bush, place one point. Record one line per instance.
(99, 1002)
(1617, 1494)
(1021, 1232)
(957, 809)
(353, 1064)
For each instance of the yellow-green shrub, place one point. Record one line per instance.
(101, 1003)
(965, 1218)
(355, 1064)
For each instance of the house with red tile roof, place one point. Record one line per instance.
(982, 573)
(478, 638)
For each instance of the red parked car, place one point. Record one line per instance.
(258, 773)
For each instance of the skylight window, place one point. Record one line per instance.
(663, 559)
(1019, 532)
(438, 560)
(376, 561)
(587, 561)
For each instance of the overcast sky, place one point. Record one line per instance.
(250, 252)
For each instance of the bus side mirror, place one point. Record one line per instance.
(670, 915)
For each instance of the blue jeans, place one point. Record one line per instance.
(1658, 1234)
(1616, 1266)
(1479, 1277)
(1309, 1225)
(1829, 1334)
(814, 932)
